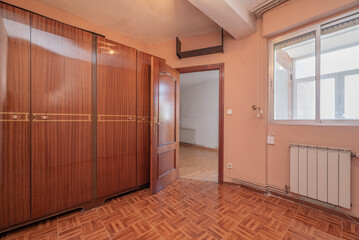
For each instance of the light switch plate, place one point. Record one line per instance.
(229, 111)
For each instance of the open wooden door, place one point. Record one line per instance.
(164, 125)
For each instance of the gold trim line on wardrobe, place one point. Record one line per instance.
(62, 120)
(15, 120)
(132, 118)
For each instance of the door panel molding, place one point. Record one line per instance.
(166, 163)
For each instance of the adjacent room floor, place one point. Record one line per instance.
(198, 163)
(190, 209)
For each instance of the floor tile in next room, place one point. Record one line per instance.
(191, 209)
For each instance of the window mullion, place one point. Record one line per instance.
(341, 97)
(337, 96)
(317, 73)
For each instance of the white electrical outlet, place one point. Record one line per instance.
(229, 165)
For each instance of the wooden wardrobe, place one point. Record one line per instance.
(74, 118)
(116, 119)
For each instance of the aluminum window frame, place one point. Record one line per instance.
(271, 61)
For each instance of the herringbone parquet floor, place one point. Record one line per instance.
(191, 209)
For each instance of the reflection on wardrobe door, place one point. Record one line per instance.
(61, 125)
(14, 116)
(116, 122)
(143, 117)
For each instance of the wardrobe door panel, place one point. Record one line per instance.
(14, 115)
(116, 123)
(61, 112)
(143, 117)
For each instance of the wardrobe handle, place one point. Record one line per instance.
(15, 117)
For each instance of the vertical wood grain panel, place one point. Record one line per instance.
(303, 171)
(344, 178)
(14, 97)
(312, 172)
(333, 177)
(143, 117)
(60, 84)
(116, 125)
(294, 169)
(323, 175)
(94, 114)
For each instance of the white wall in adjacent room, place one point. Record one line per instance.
(199, 106)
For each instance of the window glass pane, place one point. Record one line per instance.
(351, 106)
(294, 62)
(281, 110)
(305, 67)
(340, 59)
(327, 98)
(305, 99)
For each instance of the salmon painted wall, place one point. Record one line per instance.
(50, 12)
(245, 83)
(244, 133)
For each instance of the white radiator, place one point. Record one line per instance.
(321, 173)
(187, 135)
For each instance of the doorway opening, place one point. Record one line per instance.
(201, 123)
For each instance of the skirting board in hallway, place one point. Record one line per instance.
(198, 163)
(191, 209)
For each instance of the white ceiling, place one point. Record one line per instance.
(149, 21)
(188, 79)
(232, 15)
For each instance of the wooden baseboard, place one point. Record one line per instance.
(199, 146)
(294, 199)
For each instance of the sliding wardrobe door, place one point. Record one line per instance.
(116, 121)
(61, 116)
(143, 117)
(14, 115)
